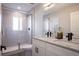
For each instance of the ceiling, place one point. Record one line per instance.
(26, 7)
(58, 7)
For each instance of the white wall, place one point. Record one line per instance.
(62, 16)
(38, 27)
(54, 23)
(75, 23)
(65, 17)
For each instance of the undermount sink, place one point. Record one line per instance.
(75, 41)
(65, 40)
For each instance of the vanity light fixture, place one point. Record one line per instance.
(48, 6)
(45, 5)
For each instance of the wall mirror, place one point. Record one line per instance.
(50, 23)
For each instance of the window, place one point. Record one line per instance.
(17, 23)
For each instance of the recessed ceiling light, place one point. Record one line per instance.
(19, 8)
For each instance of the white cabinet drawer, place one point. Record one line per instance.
(59, 50)
(34, 53)
(38, 42)
(38, 51)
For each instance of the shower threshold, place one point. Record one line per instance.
(25, 49)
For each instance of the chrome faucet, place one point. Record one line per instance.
(69, 36)
(1, 47)
(48, 34)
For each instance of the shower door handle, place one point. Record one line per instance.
(29, 29)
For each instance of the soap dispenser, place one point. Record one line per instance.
(59, 33)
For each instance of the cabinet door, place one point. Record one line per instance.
(0, 29)
(41, 51)
(59, 51)
(34, 50)
(50, 53)
(38, 48)
(38, 51)
(34, 47)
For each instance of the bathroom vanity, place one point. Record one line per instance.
(43, 46)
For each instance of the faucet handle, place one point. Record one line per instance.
(1, 47)
(47, 34)
(69, 36)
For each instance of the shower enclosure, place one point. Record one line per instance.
(16, 30)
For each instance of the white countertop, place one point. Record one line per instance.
(74, 44)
